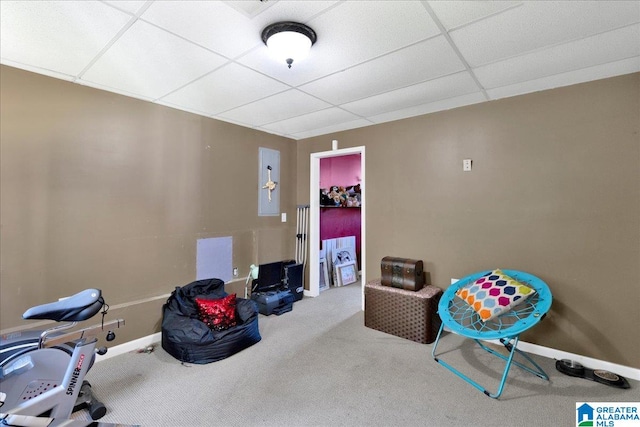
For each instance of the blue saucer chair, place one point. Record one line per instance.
(494, 305)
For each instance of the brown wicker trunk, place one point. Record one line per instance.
(406, 314)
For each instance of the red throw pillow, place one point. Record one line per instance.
(218, 314)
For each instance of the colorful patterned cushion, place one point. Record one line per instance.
(217, 314)
(494, 293)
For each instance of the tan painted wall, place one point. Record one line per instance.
(101, 190)
(554, 190)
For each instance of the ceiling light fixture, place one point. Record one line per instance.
(289, 41)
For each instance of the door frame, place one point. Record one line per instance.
(314, 217)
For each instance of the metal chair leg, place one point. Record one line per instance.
(538, 371)
(512, 347)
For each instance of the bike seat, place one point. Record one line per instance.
(76, 308)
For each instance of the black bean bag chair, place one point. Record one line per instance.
(188, 339)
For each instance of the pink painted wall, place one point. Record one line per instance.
(342, 171)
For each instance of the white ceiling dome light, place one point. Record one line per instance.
(289, 41)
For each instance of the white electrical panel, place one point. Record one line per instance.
(268, 182)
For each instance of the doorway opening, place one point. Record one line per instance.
(314, 217)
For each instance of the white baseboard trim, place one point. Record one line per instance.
(551, 353)
(589, 362)
(129, 346)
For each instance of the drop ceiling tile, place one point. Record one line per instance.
(431, 107)
(422, 61)
(211, 24)
(263, 14)
(333, 129)
(364, 30)
(131, 6)
(607, 47)
(228, 87)
(250, 9)
(422, 93)
(311, 121)
(611, 69)
(288, 10)
(312, 67)
(150, 62)
(348, 34)
(535, 25)
(114, 90)
(275, 108)
(453, 14)
(38, 70)
(55, 35)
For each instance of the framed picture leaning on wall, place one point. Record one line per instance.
(324, 275)
(341, 255)
(346, 273)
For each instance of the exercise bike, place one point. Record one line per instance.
(42, 372)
